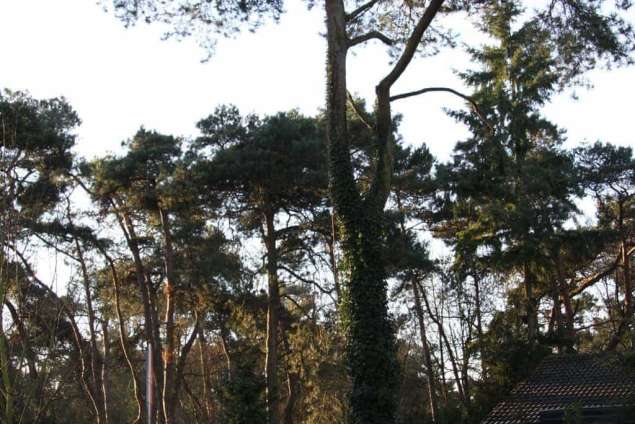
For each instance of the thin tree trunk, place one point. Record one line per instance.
(104, 370)
(532, 317)
(153, 342)
(28, 348)
(273, 311)
(80, 344)
(479, 323)
(204, 372)
(95, 357)
(224, 340)
(566, 300)
(628, 307)
(555, 320)
(123, 340)
(180, 365)
(169, 355)
(444, 383)
(453, 362)
(5, 365)
(432, 397)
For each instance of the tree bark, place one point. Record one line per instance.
(371, 350)
(370, 346)
(563, 288)
(479, 322)
(453, 361)
(153, 343)
(273, 311)
(532, 313)
(95, 357)
(104, 370)
(432, 397)
(627, 315)
(123, 340)
(169, 355)
(204, 371)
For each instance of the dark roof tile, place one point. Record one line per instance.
(590, 381)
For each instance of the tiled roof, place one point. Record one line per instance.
(560, 381)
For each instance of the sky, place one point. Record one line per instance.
(119, 79)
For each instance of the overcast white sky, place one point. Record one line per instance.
(118, 79)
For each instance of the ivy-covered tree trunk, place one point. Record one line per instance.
(370, 341)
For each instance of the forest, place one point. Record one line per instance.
(287, 268)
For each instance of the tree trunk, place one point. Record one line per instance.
(153, 343)
(104, 370)
(563, 288)
(625, 264)
(180, 366)
(330, 242)
(123, 340)
(532, 313)
(453, 361)
(80, 344)
(204, 371)
(5, 365)
(479, 323)
(273, 311)
(95, 357)
(432, 397)
(169, 356)
(370, 347)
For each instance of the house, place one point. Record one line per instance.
(574, 388)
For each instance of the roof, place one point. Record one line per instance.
(591, 383)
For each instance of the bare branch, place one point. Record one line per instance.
(307, 281)
(297, 305)
(383, 164)
(360, 10)
(467, 98)
(360, 113)
(370, 36)
(412, 44)
(594, 278)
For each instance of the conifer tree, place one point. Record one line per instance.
(510, 187)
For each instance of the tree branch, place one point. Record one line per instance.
(592, 279)
(412, 44)
(360, 10)
(370, 36)
(297, 305)
(359, 112)
(465, 97)
(379, 188)
(307, 281)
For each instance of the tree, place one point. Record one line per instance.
(581, 34)
(510, 187)
(608, 174)
(37, 138)
(268, 171)
(150, 184)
